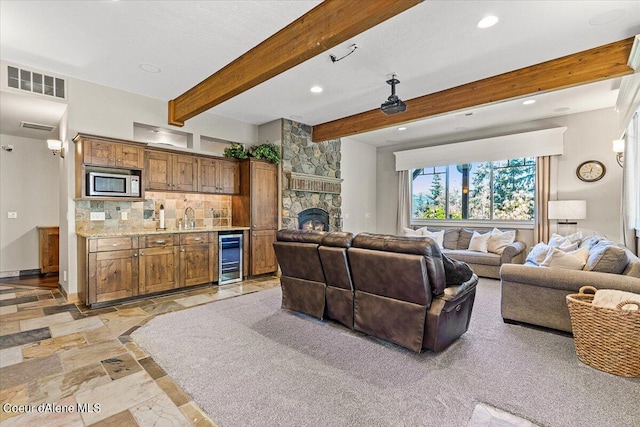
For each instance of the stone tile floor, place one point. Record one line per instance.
(67, 365)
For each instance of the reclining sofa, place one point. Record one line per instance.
(399, 289)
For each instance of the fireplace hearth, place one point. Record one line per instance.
(313, 219)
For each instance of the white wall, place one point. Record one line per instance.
(29, 177)
(358, 169)
(588, 136)
(105, 111)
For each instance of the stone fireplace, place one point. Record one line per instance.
(311, 180)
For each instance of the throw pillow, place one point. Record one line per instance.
(411, 232)
(464, 238)
(451, 236)
(557, 240)
(479, 242)
(607, 257)
(538, 253)
(438, 236)
(574, 260)
(567, 246)
(500, 240)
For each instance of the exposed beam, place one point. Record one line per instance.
(323, 27)
(600, 63)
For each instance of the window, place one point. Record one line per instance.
(500, 190)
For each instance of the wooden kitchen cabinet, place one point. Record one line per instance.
(198, 260)
(218, 176)
(256, 206)
(169, 171)
(107, 269)
(48, 244)
(116, 154)
(159, 261)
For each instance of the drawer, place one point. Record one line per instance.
(157, 240)
(194, 238)
(105, 244)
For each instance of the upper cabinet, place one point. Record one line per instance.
(169, 171)
(218, 176)
(115, 154)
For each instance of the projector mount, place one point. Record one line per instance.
(393, 104)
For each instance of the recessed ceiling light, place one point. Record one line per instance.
(529, 102)
(316, 89)
(488, 21)
(149, 68)
(402, 128)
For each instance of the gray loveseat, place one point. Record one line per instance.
(537, 295)
(484, 264)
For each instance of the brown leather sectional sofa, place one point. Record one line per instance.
(396, 288)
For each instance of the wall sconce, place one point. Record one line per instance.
(618, 148)
(566, 210)
(55, 145)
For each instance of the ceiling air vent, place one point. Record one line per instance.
(37, 126)
(31, 81)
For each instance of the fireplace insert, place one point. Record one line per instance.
(313, 219)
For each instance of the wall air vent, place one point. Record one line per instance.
(37, 126)
(34, 82)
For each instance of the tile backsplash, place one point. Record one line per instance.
(210, 211)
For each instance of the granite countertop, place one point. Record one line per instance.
(146, 232)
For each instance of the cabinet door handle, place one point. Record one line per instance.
(197, 239)
(141, 254)
(115, 244)
(160, 241)
(135, 254)
(182, 250)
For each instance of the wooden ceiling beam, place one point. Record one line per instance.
(600, 63)
(323, 27)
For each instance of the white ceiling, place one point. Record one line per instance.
(432, 46)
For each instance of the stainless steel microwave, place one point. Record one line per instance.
(112, 185)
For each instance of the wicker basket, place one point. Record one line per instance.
(606, 339)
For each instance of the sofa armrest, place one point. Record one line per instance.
(513, 254)
(569, 280)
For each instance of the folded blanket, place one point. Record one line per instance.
(610, 298)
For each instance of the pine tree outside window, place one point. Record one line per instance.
(500, 190)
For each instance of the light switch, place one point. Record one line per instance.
(97, 216)
(124, 215)
(12, 215)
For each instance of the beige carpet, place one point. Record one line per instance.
(247, 362)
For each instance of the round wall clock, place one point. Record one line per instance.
(591, 170)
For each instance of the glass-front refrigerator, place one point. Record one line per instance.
(229, 258)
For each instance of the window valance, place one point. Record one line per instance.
(545, 142)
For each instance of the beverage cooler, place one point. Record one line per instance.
(229, 258)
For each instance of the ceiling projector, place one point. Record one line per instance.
(393, 104)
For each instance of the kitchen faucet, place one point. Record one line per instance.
(189, 218)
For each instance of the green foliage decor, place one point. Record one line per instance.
(266, 151)
(236, 151)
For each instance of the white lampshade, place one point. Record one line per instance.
(618, 145)
(567, 209)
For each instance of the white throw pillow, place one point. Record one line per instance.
(411, 232)
(557, 240)
(574, 260)
(438, 236)
(500, 240)
(567, 246)
(479, 242)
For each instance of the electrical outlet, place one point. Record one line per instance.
(97, 216)
(124, 215)
(12, 215)
(367, 215)
(64, 276)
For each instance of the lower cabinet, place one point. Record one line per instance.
(112, 275)
(116, 268)
(263, 257)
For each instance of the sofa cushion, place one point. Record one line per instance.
(557, 240)
(472, 257)
(537, 254)
(500, 240)
(451, 236)
(466, 234)
(607, 257)
(573, 260)
(479, 242)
